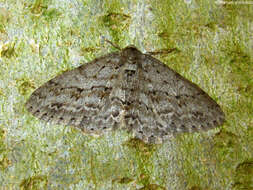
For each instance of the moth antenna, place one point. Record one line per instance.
(114, 45)
(163, 51)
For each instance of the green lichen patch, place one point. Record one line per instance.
(4, 18)
(4, 160)
(7, 49)
(243, 179)
(123, 180)
(1, 92)
(51, 13)
(152, 187)
(25, 86)
(196, 188)
(140, 147)
(116, 23)
(85, 50)
(112, 19)
(224, 139)
(35, 182)
(38, 6)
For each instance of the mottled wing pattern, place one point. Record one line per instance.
(80, 97)
(170, 104)
(130, 90)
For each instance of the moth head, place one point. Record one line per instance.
(131, 52)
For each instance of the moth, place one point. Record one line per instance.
(126, 90)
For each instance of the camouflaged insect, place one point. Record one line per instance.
(126, 90)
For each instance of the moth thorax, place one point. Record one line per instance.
(130, 66)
